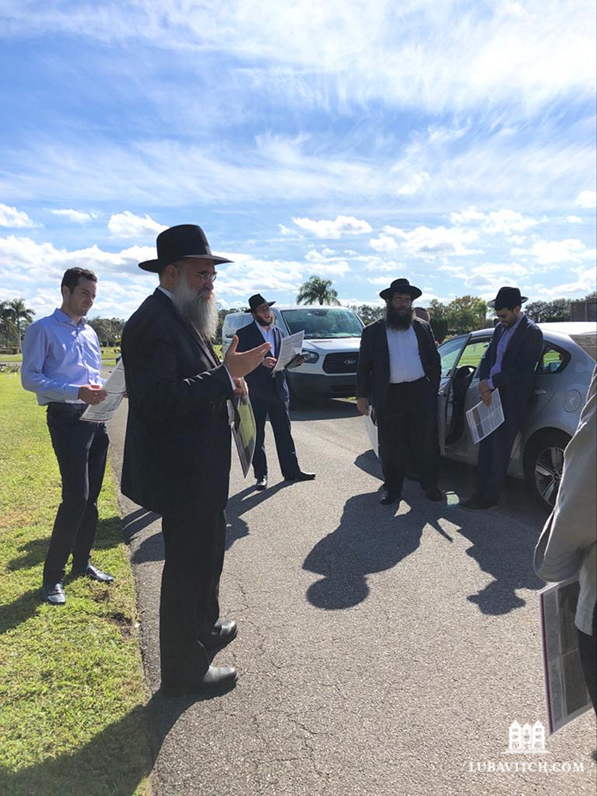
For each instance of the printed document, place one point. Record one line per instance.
(290, 350)
(115, 387)
(483, 420)
(244, 431)
(565, 689)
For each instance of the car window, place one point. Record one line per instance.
(232, 323)
(323, 323)
(553, 360)
(449, 352)
(473, 353)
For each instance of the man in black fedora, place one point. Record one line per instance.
(508, 365)
(398, 375)
(177, 450)
(269, 394)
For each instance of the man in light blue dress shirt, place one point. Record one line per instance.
(62, 365)
(508, 365)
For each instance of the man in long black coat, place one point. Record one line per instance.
(398, 374)
(508, 365)
(269, 395)
(177, 450)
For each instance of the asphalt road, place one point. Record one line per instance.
(379, 653)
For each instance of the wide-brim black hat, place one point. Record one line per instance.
(178, 243)
(507, 297)
(401, 286)
(257, 301)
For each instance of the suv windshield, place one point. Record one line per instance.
(321, 322)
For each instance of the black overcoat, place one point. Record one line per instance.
(263, 385)
(177, 446)
(373, 372)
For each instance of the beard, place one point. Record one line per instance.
(261, 322)
(398, 319)
(197, 308)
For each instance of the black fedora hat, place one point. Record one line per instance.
(507, 297)
(401, 286)
(257, 301)
(177, 243)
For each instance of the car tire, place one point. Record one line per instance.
(544, 464)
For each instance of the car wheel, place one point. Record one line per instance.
(544, 464)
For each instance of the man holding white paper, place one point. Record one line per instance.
(508, 365)
(269, 394)
(62, 363)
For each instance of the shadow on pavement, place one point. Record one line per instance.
(236, 527)
(370, 538)
(332, 409)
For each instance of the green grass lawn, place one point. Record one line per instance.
(71, 689)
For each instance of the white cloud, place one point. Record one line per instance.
(466, 216)
(426, 242)
(587, 199)
(343, 225)
(503, 221)
(128, 225)
(570, 250)
(384, 243)
(78, 216)
(11, 217)
(574, 219)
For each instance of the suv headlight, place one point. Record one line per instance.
(310, 357)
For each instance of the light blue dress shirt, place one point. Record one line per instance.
(501, 350)
(60, 356)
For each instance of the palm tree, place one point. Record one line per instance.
(317, 290)
(6, 323)
(22, 316)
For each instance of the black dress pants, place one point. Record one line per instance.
(81, 449)
(189, 608)
(494, 458)
(407, 435)
(277, 411)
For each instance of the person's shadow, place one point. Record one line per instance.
(370, 538)
(115, 761)
(241, 503)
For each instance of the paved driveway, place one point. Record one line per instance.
(379, 653)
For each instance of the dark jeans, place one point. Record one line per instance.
(81, 449)
(494, 458)
(407, 434)
(189, 608)
(277, 412)
(587, 646)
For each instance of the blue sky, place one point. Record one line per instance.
(447, 141)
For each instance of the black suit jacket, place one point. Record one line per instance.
(263, 386)
(177, 446)
(373, 372)
(517, 376)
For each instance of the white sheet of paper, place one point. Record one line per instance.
(291, 346)
(483, 420)
(115, 387)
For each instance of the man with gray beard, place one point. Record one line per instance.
(177, 450)
(399, 373)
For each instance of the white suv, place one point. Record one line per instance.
(332, 341)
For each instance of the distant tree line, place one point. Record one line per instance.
(15, 317)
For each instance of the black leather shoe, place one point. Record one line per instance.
(223, 633)
(388, 497)
(261, 483)
(301, 476)
(478, 502)
(92, 572)
(434, 493)
(53, 593)
(217, 679)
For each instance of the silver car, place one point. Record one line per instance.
(561, 384)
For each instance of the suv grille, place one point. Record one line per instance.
(341, 363)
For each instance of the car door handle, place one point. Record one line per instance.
(540, 392)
